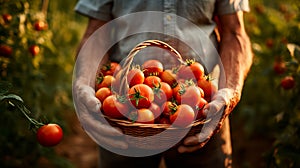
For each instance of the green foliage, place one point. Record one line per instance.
(43, 79)
(267, 110)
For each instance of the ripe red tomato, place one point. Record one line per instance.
(192, 70)
(152, 67)
(207, 86)
(183, 116)
(152, 81)
(279, 67)
(5, 50)
(155, 110)
(141, 96)
(103, 93)
(169, 77)
(6, 17)
(164, 120)
(115, 107)
(199, 108)
(143, 115)
(34, 50)
(162, 93)
(135, 76)
(104, 81)
(190, 95)
(288, 83)
(49, 135)
(168, 108)
(110, 68)
(40, 25)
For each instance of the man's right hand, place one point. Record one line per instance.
(88, 110)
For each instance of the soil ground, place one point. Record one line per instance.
(83, 152)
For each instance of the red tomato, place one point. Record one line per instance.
(152, 67)
(49, 135)
(162, 93)
(143, 115)
(110, 68)
(155, 110)
(103, 93)
(164, 120)
(6, 17)
(40, 25)
(168, 108)
(199, 109)
(192, 70)
(169, 77)
(141, 96)
(279, 67)
(135, 76)
(190, 95)
(5, 50)
(115, 107)
(183, 116)
(152, 81)
(288, 82)
(34, 50)
(105, 81)
(207, 86)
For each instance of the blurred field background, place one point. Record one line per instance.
(265, 125)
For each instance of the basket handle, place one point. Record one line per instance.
(136, 49)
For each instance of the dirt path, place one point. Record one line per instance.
(78, 147)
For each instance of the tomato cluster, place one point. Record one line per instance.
(155, 95)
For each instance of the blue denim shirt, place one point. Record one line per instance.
(168, 24)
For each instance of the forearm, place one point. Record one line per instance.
(236, 55)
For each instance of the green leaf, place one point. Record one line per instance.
(10, 97)
(4, 87)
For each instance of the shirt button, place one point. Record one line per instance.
(169, 17)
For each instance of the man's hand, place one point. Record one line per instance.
(216, 111)
(88, 110)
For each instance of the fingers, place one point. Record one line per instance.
(86, 96)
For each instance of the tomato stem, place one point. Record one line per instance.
(25, 112)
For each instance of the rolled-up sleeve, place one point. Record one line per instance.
(98, 9)
(231, 6)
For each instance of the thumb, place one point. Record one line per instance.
(86, 96)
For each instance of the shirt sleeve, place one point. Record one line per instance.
(231, 6)
(98, 9)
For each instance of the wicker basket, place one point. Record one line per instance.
(143, 136)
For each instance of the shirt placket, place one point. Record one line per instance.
(170, 21)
